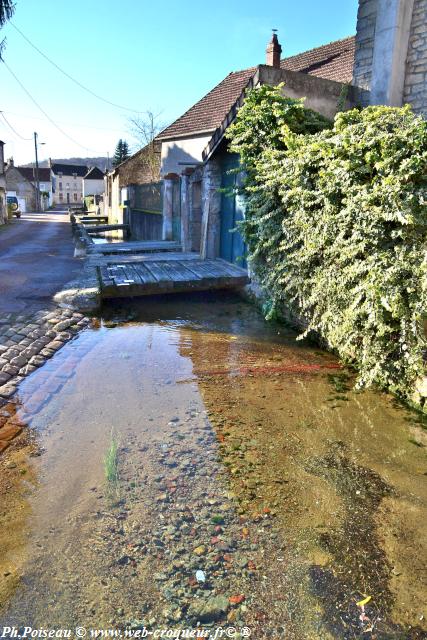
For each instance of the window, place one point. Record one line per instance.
(74, 175)
(75, 197)
(60, 185)
(67, 186)
(60, 174)
(42, 187)
(61, 197)
(75, 185)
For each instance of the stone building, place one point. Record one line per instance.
(67, 183)
(125, 182)
(93, 182)
(45, 185)
(195, 163)
(385, 63)
(391, 52)
(21, 182)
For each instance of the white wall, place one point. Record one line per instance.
(71, 181)
(93, 187)
(185, 150)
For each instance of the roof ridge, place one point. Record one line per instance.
(321, 46)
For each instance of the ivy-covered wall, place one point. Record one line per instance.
(336, 227)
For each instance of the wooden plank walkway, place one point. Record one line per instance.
(160, 276)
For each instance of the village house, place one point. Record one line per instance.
(133, 193)
(93, 182)
(385, 63)
(194, 153)
(21, 182)
(67, 183)
(3, 205)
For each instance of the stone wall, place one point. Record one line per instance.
(366, 19)
(415, 70)
(415, 88)
(24, 189)
(143, 167)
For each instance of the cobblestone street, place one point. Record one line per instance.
(36, 261)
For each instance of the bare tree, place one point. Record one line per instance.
(145, 128)
(7, 8)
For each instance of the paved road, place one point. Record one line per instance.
(36, 259)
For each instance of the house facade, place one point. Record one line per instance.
(195, 162)
(45, 186)
(93, 182)
(21, 183)
(67, 183)
(385, 63)
(3, 205)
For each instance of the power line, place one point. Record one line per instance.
(82, 86)
(69, 124)
(12, 129)
(44, 112)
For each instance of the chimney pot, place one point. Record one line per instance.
(273, 52)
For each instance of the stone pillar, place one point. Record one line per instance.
(185, 210)
(211, 216)
(168, 182)
(390, 50)
(415, 91)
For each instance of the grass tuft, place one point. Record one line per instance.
(111, 462)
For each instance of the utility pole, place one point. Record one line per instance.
(37, 181)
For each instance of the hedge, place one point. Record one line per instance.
(336, 227)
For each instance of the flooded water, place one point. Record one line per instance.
(255, 492)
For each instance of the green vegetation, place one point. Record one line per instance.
(121, 153)
(7, 9)
(336, 227)
(111, 463)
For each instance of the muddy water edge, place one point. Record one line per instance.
(256, 489)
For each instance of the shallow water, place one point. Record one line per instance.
(108, 237)
(243, 454)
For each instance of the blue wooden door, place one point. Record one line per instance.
(232, 247)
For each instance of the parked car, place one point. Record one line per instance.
(13, 207)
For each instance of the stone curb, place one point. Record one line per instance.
(26, 343)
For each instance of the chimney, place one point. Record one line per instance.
(10, 162)
(273, 51)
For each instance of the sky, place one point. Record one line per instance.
(144, 56)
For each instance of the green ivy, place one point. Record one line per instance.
(336, 226)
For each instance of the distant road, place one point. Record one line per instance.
(36, 259)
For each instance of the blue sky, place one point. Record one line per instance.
(159, 56)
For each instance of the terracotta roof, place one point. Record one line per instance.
(28, 174)
(210, 111)
(333, 61)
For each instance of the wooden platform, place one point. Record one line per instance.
(159, 276)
